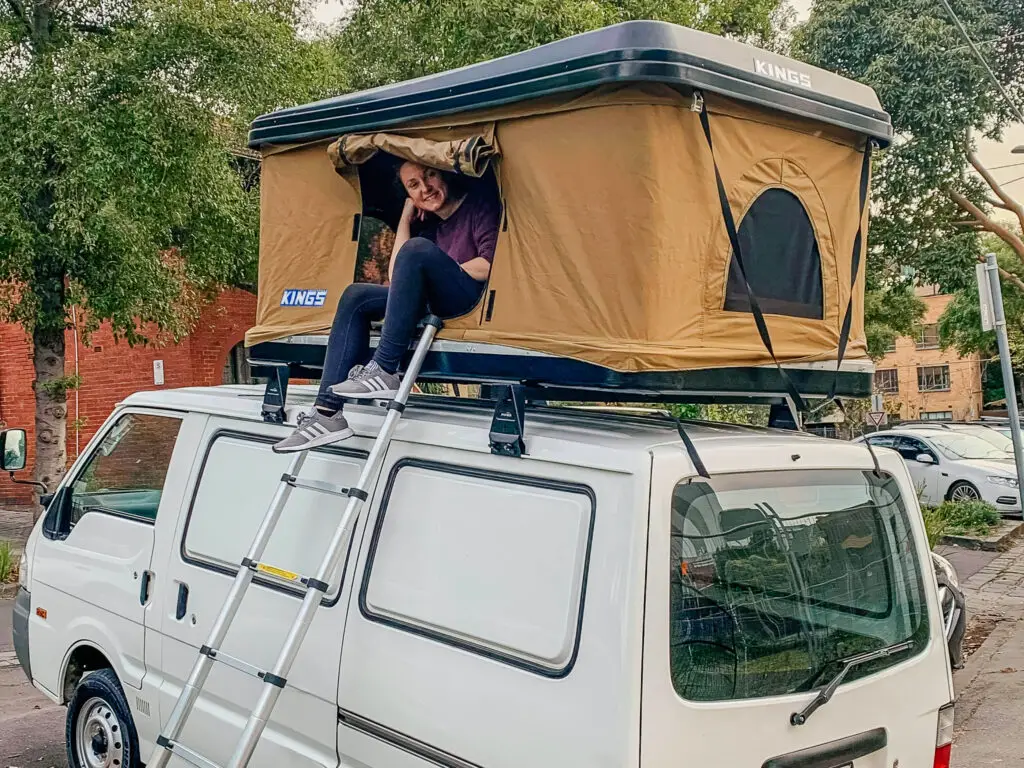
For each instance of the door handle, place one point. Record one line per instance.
(147, 577)
(182, 608)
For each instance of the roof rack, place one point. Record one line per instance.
(516, 377)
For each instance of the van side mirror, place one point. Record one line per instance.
(13, 450)
(924, 458)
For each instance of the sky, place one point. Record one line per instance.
(1007, 167)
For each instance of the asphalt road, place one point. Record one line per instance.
(31, 726)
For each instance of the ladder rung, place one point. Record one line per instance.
(272, 570)
(186, 754)
(231, 661)
(315, 485)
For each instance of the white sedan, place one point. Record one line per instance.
(954, 465)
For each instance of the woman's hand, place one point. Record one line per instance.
(479, 268)
(410, 212)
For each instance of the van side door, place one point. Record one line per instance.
(235, 478)
(92, 566)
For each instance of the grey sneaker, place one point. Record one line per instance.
(315, 429)
(368, 382)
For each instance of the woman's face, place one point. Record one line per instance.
(426, 186)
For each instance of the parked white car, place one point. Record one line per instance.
(954, 465)
(593, 604)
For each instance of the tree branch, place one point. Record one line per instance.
(19, 10)
(997, 204)
(95, 29)
(988, 223)
(1009, 203)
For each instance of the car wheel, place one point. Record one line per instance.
(100, 732)
(963, 491)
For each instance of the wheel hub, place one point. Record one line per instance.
(99, 740)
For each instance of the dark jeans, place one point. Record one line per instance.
(425, 279)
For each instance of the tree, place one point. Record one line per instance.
(960, 324)
(391, 40)
(117, 194)
(912, 54)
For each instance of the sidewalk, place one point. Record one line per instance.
(990, 688)
(15, 526)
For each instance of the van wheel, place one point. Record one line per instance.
(963, 491)
(100, 732)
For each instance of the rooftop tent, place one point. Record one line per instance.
(609, 149)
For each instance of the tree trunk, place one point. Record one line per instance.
(51, 408)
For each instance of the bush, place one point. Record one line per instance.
(7, 562)
(967, 517)
(934, 525)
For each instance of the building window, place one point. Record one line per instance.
(891, 347)
(887, 381)
(928, 337)
(933, 378)
(936, 415)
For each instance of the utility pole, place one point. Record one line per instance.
(1009, 388)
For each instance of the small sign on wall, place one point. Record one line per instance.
(158, 372)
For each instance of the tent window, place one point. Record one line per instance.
(781, 257)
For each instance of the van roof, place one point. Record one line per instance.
(633, 51)
(623, 430)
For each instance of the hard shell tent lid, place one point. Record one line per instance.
(636, 51)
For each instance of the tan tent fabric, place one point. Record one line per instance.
(615, 251)
(307, 215)
(469, 156)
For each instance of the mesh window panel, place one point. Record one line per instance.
(780, 254)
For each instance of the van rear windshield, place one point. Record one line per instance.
(777, 577)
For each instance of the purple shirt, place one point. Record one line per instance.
(472, 231)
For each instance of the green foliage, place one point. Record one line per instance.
(910, 52)
(960, 324)
(976, 518)
(934, 525)
(58, 388)
(118, 191)
(889, 313)
(389, 40)
(8, 563)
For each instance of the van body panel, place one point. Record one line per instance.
(554, 650)
(447, 693)
(903, 699)
(233, 480)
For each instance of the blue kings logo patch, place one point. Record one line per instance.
(299, 297)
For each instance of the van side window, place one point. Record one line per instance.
(239, 478)
(491, 563)
(125, 475)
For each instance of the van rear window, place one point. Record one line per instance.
(778, 577)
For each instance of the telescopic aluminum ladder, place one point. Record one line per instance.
(275, 679)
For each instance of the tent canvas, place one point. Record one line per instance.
(613, 248)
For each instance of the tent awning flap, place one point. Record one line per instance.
(468, 156)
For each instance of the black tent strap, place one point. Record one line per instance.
(691, 451)
(844, 333)
(730, 228)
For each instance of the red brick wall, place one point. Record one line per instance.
(111, 371)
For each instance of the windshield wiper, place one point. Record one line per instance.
(825, 694)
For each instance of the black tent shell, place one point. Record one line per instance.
(636, 51)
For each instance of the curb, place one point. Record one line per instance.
(1007, 532)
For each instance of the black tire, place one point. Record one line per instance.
(964, 490)
(99, 729)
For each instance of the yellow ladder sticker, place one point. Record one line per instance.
(279, 572)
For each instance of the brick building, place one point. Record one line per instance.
(920, 380)
(110, 371)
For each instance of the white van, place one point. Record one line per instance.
(593, 604)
